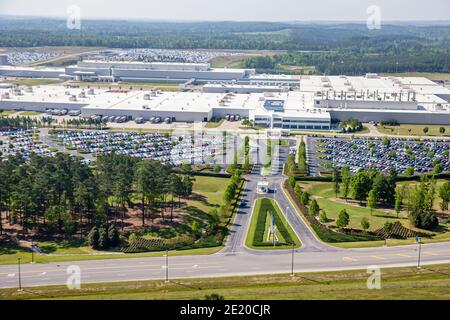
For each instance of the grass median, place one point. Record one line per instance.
(258, 235)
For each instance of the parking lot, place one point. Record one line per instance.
(159, 55)
(380, 154)
(13, 141)
(170, 149)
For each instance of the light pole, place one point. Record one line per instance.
(32, 251)
(292, 261)
(20, 275)
(167, 265)
(420, 247)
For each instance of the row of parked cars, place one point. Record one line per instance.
(175, 149)
(62, 112)
(20, 140)
(382, 154)
(232, 117)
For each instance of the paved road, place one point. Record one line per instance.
(235, 258)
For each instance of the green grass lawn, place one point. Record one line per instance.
(428, 283)
(261, 206)
(324, 194)
(36, 82)
(7, 113)
(214, 124)
(208, 193)
(30, 113)
(414, 130)
(10, 254)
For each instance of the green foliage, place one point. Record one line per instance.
(301, 158)
(409, 171)
(343, 219)
(113, 236)
(93, 238)
(291, 182)
(304, 198)
(323, 217)
(444, 194)
(103, 240)
(350, 126)
(365, 224)
(314, 208)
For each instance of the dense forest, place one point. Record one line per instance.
(332, 48)
(61, 195)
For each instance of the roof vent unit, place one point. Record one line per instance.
(372, 76)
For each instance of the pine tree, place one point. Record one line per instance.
(113, 235)
(93, 238)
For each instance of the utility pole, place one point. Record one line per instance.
(292, 261)
(20, 275)
(420, 247)
(167, 265)
(32, 251)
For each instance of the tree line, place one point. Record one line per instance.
(62, 195)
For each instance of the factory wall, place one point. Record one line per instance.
(181, 116)
(244, 90)
(429, 118)
(219, 112)
(367, 104)
(30, 73)
(38, 106)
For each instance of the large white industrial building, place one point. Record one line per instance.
(280, 101)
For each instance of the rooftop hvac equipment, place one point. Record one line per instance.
(5, 95)
(91, 92)
(372, 76)
(73, 98)
(324, 79)
(82, 94)
(146, 96)
(29, 89)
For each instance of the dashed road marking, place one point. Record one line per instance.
(431, 254)
(378, 257)
(10, 275)
(403, 255)
(349, 259)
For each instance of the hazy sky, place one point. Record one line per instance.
(267, 10)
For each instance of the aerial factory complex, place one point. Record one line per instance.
(274, 101)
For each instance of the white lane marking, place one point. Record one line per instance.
(10, 275)
(43, 273)
(195, 266)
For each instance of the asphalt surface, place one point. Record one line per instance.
(235, 259)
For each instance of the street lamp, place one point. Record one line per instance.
(420, 247)
(292, 260)
(20, 275)
(167, 265)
